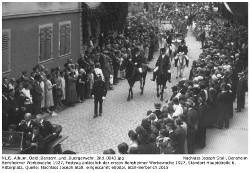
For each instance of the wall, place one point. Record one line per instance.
(25, 41)
(14, 8)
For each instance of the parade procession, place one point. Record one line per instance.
(124, 78)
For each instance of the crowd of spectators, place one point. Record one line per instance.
(40, 90)
(204, 100)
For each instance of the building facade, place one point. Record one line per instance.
(34, 33)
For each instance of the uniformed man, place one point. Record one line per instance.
(99, 92)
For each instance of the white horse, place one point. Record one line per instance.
(173, 51)
(181, 64)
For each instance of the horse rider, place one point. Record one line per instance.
(163, 58)
(168, 38)
(182, 49)
(137, 59)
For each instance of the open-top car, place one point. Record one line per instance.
(15, 143)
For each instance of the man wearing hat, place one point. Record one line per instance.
(168, 38)
(37, 95)
(157, 111)
(163, 60)
(240, 91)
(182, 49)
(137, 59)
(192, 123)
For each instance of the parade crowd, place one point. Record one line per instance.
(204, 100)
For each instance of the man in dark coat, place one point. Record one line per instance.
(35, 140)
(240, 91)
(14, 108)
(163, 60)
(138, 59)
(202, 37)
(224, 102)
(182, 49)
(192, 123)
(5, 86)
(37, 95)
(45, 127)
(203, 116)
(168, 38)
(99, 92)
(5, 110)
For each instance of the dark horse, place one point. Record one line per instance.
(133, 75)
(162, 76)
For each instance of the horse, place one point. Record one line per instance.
(162, 76)
(181, 64)
(173, 51)
(133, 75)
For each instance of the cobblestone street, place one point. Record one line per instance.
(91, 136)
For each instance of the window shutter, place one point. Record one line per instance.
(62, 40)
(48, 42)
(67, 42)
(5, 52)
(42, 44)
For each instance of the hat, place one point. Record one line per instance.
(190, 102)
(157, 105)
(175, 100)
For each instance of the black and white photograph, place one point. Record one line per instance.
(113, 78)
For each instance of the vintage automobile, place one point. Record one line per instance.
(14, 143)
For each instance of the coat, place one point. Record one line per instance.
(138, 59)
(182, 49)
(38, 139)
(192, 120)
(46, 128)
(99, 89)
(37, 92)
(203, 115)
(224, 101)
(148, 149)
(24, 127)
(241, 87)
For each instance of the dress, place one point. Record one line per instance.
(48, 94)
(62, 85)
(71, 93)
(43, 94)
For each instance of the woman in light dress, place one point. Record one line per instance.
(48, 93)
(62, 85)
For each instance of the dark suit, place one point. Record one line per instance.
(169, 39)
(240, 91)
(192, 121)
(13, 112)
(158, 113)
(46, 128)
(37, 97)
(39, 140)
(26, 127)
(202, 37)
(5, 88)
(138, 59)
(99, 90)
(224, 104)
(203, 117)
(182, 48)
(148, 148)
(5, 113)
